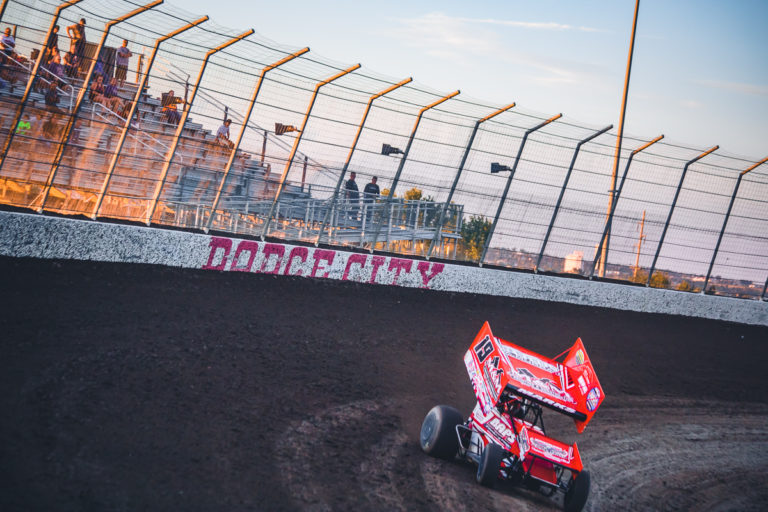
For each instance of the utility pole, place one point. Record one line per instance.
(639, 245)
(612, 192)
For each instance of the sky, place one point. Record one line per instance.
(699, 72)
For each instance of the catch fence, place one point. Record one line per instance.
(460, 179)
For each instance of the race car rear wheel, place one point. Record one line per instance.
(490, 463)
(578, 492)
(438, 432)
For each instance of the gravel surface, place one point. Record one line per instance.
(132, 387)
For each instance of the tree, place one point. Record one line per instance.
(685, 286)
(659, 279)
(473, 235)
(413, 194)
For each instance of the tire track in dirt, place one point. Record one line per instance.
(131, 387)
(653, 453)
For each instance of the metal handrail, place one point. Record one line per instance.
(173, 75)
(58, 78)
(134, 137)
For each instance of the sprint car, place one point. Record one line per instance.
(504, 435)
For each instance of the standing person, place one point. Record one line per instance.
(52, 45)
(123, 54)
(8, 42)
(352, 195)
(370, 194)
(76, 34)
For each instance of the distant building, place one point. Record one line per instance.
(572, 263)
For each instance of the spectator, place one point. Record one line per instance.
(352, 195)
(8, 42)
(96, 95)
(169, 102)
(52, 45)
(49, 128)
(111, 98)
(54, 65)
(71, 63)
(370, 194)
(222, 135)
(25, 125)
(123, 55)
(52, 98)
(7, 45)
(98, 69)
(76, 35)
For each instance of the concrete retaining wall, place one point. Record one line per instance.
(36, 236)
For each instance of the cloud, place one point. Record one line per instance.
(440, 34)
(534, 25)
(691, 104)
(754, 89)
(462, 41)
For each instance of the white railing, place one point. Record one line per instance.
(109, 116)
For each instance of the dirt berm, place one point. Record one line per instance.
(131, 387)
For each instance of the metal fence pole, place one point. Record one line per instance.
(2, 9)
(67, 132)
(509, 182)
(439, 227)
(765, 288)
(30, 83)
(609, 218)
(396, 179)
(335, 196)
(725, 221)
(672, 210)
(562, 192)
(182, 122)
(247, 119)
(134, 107)
(296, 142)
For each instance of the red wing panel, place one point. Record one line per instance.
(484, 365)
(570, 387)
(539, 378)
(583, 379)
(553, 450)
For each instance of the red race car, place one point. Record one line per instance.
(505, 433)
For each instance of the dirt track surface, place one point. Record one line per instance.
(128, 387)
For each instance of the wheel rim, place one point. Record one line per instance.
(428, 429)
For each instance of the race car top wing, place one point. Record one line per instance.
(571, 387)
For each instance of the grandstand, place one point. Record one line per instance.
(538, 187)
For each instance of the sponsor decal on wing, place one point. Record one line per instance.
(522, 442)
(545, 386)
(551, 451)
(492, 374)
(530, 359)
(593, 399)
(478, 384)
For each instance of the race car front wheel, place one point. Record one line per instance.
(578, 492)
(490, 463)
(438, 432)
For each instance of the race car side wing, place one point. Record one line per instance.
(581, 380)
(484, 365)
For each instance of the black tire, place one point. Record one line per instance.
(490, 464)
(438, 432)
(578, 492)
